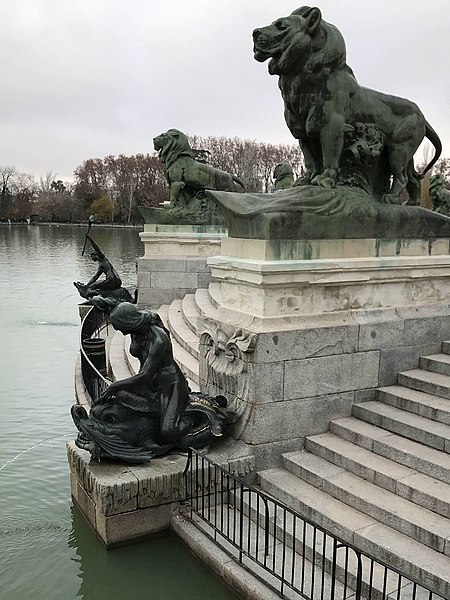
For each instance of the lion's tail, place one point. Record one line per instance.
(239, 182)
(434, 139)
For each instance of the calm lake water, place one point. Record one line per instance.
(47, 551)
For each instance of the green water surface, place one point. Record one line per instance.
(47, 551)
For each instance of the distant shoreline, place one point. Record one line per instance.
(57, 224)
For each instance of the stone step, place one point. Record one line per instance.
(426, 405)
(437, 363)
(419, 488)
(180, 330)
(215, 294)
(426, 381)
(313, 547)
(419, 562)
(204, 303)
(188, 364)
(398, 513)
(423, 430)
(163, 312)
(190, 312)
(198, 537)
(406, 452)
(118, 365)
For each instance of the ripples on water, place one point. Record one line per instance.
(47, 551)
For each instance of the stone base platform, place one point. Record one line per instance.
(126, 503)
(271, 278)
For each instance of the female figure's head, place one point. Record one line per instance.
(127, 318)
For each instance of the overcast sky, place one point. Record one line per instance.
(86, 78)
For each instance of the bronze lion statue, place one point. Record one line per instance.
(324, 102)
(283, 176)
(439, 194)
(182, 170)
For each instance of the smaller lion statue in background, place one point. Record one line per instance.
(440, 194)
(283, 176)
(183, 170)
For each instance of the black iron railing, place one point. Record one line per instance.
(284, 549)
(94, 380)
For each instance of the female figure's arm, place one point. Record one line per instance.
(94, 277)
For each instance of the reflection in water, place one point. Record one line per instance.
(47, 551)
(159, 569)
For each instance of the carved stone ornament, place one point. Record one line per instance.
(225, 363)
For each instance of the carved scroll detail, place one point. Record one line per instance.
(225, 362)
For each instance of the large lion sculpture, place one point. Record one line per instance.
(323, 102)
(182, 170)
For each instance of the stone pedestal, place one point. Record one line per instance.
(125, 503)
(175, 261)
(305, 329)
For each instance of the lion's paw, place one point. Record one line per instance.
(324, 181)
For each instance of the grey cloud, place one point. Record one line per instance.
(94, 77)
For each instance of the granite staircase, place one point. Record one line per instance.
(380, 479)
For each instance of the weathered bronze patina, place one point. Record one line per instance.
(283, 176)
(348, 133)
(153, 411)
(184, 172)
(317, 213)
(188, 175)
(358, 146)
(439, 194)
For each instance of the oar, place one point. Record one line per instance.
(90, 223)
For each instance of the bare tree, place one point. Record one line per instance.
(6, 176)
(252, 161)
(23, 190)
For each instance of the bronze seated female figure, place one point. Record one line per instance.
(149, 413)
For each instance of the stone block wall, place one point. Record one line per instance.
(175, 261)
(289, 382)
(162, 280)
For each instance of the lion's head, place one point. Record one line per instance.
(283, 175)
(172, 144)
(283, 169)
(300, 42)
